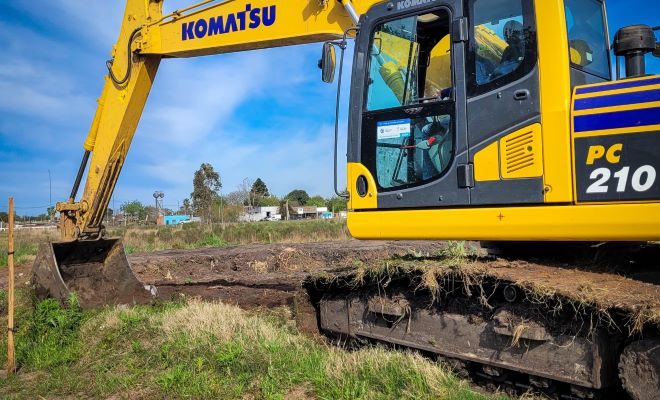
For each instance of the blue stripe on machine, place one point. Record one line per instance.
(615, 120)
(617, 100)
(618, 85)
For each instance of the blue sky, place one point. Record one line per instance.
(256, 114)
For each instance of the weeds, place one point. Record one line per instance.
(48, 334)
(209, 350)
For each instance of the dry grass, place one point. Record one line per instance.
(203, 319)
(191, 236)
(211, 350)
(26, 242)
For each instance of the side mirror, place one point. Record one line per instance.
(327, 63)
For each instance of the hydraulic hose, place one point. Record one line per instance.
(129, 55)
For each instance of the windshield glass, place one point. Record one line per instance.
(409, 61)
(587, 37)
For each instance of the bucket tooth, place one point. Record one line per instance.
(98, 272)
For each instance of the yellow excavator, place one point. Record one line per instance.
(490, 120)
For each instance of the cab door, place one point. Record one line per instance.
(407, 125)
(503, 104)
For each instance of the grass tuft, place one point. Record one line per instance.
(209, 350)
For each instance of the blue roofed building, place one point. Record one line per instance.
(175, 219)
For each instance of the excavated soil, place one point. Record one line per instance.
(269, 274)
(260, 275)
(604, 290)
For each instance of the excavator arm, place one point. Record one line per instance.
(86, 262)
(147, 36)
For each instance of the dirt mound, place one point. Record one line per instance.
(261, 274)
(261, 263)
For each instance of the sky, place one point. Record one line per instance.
(261, 114)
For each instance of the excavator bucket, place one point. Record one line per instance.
(97, 271)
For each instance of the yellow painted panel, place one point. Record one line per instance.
(555, 100)
(356, 202)
(609, 222)
(487, 164)
(522, 153)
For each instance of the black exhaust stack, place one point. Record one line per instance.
(633, 43)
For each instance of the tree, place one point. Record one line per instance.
(317, 201)
(51, 212)
(270, 201)
(260, 188)
(299, 196)
(336, 204)
(186, 208)
(237, 198)
(4, 217)
(134, 209)
(258, 192)
(152, 214)
(206, 183)
(245, 190)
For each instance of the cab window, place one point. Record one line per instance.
(587, 37)
(503, 43)
(409, 105)
(409, 62)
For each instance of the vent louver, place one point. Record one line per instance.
(518, 152)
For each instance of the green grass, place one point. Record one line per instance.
(194, 236)
(26, 243)
(204, 350)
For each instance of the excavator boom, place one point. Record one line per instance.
(83, 261)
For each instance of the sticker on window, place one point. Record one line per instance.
(398, 128)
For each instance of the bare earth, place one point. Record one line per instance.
(268, 275)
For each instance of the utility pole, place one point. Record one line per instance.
(287, 210)
(50, 190)
(11, 365)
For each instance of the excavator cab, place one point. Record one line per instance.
(496, 147)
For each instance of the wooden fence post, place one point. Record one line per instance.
(11, 365)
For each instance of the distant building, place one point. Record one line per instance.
(308, 212)
(260, 213)
(173, 219)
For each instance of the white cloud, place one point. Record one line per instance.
(248, 113)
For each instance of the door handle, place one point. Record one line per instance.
(520, 95)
